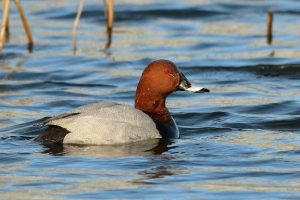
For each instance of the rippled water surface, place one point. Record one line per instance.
(241, 141)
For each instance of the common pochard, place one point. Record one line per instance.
(113, 123)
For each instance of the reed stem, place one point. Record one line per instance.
(75, 26)
(110, 21)
(25, 24)
(4, 22)
(270, 27)
(7, 25)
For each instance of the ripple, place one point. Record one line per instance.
(281, 124)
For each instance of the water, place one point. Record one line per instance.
(239, 141)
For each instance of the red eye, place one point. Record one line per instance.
(167, 71)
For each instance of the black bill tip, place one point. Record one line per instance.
(203, 90)
(185, 85)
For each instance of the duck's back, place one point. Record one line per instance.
(105, 123)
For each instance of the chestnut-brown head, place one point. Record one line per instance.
(159, 79)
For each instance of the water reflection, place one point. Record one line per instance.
(142, 148)
(157, 172)
(163, 168)
(149, 176)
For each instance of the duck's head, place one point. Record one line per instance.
(162, 77)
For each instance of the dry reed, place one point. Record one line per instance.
(270, 27)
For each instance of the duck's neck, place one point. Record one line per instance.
(153, 104)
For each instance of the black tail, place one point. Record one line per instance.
(53, 134)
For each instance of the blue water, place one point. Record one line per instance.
(241, 141)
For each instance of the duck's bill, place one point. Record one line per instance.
(197, 89)
(193, 89)
(185, 85)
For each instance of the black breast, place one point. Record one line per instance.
(168, 130)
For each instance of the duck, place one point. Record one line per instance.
(109, 123)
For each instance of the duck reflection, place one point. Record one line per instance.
(143, 148)
(149, 176)
(157, 172)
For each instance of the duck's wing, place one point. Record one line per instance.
(108, 123)
(79, 110)
(58, 117)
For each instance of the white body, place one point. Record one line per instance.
(105, 124)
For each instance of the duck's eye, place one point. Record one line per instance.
(167, 71)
